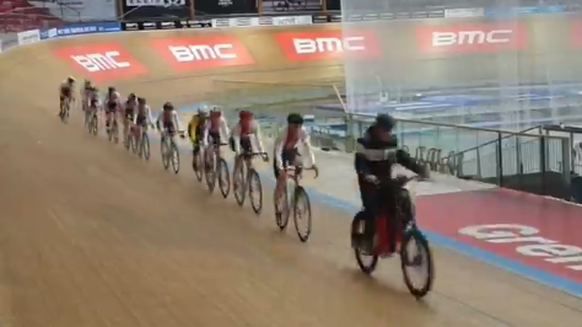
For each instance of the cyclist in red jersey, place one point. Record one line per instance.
(242, 143)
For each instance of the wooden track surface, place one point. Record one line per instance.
(91, 236)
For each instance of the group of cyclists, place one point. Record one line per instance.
(208, 126)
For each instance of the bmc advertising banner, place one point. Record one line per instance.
(160, 9)
(76, 10)
(218, 7)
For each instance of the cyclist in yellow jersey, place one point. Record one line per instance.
(195, 127)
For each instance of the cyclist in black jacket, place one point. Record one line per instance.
(377, 153)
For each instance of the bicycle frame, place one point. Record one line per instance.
(384, 230)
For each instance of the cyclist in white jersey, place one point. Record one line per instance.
(287, 153)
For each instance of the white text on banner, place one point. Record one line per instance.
(75, 10)
(28, 37)
(292, 20)
(464, 12)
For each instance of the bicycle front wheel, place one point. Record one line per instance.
(255, 191)
(302, 213)
(415, 255)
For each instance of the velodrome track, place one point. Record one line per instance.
(91, 236)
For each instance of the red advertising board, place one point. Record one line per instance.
(471, 38)
(203, 52)
(325, 45)
(106, 61)
(524, 228)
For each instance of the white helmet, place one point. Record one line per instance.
(203, 109)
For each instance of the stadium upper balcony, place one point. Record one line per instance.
(20, 15)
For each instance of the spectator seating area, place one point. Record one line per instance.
(19, 15)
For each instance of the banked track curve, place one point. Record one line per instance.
(90, 236)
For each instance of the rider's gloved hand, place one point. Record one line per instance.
(316, 170)
(265, 157)
(371, 179)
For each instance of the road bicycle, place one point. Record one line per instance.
(169, 151)
(217, 168)
(389, 241)
(294, 200)
(249, 181)
(65, 110)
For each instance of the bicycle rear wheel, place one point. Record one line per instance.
(199, 167)
(165, 154)
(422, 258)
(115, 131)
(133, 142)
(282, 213)
(302, 213)
(145, 146)
(223, 177)
(255, 191)
(174, 157)
(240, 189)
(94, 125)
(210, 173)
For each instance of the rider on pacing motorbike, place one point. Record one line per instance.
(377, 153)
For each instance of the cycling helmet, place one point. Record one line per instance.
(215, 112)
(131, 96)
(87, 83)
(141, 101)
(245, 114)
(111, 89)
(203, 110)
(295, 118)
(71, 79)
(385, 122)
(168, 106)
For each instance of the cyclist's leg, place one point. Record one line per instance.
(281, 176)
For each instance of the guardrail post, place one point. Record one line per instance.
(499, 158)
(543, 166)
(567, 160)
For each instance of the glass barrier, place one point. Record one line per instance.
(504, 158)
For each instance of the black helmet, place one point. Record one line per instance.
(132, 95)
(141, 100)
(295, 118)
(385, 121)
(168, 106)
(111, 89)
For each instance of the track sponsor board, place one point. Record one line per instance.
(203, 53)
(161, 9)
(478, 38)
(325, 45)
(524, 228)
(103, 62)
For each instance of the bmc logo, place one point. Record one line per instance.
(103, 62)
(479, 38)
(200, 53)
(98, 62)
(328, 45)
